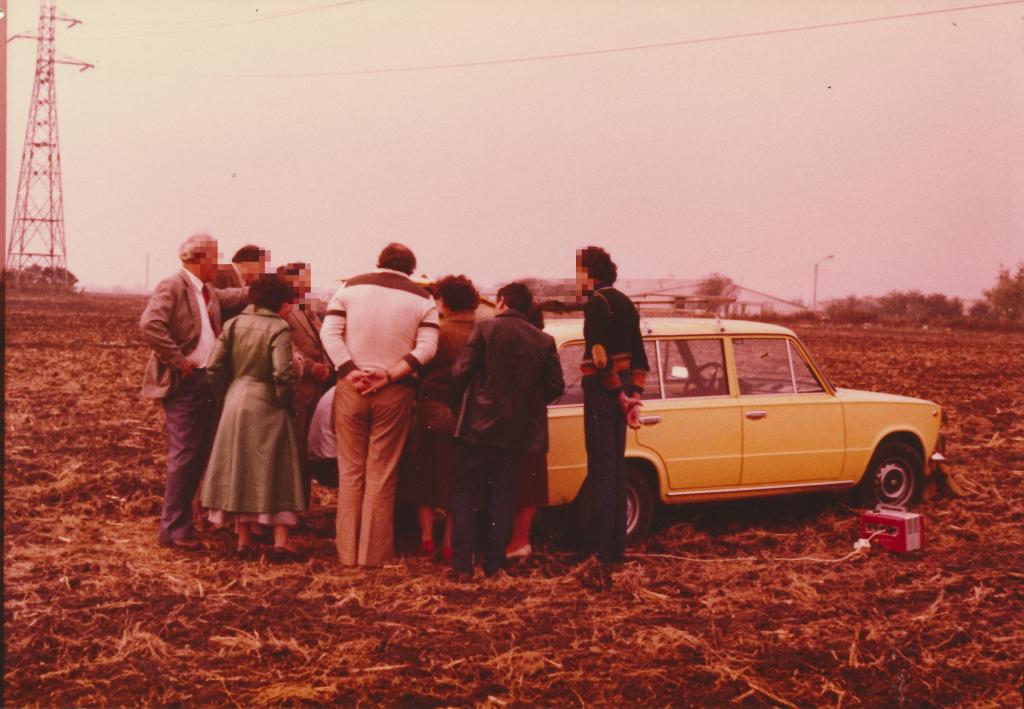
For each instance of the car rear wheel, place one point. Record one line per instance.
(893, 477)
(639, 504)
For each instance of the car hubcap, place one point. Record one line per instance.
(894, 483)
(632, 509)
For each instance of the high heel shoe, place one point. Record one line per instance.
(521, 554)
(427, 548)
(446, 554)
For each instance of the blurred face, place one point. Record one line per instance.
(250, 270)
(206, 261)
(584, 283)
(302, 282)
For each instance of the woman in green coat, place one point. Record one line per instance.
(254, 473)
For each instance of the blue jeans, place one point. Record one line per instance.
(604, 427)
(479, 468)
(190, 418)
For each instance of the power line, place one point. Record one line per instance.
(228, 23)
(581, 53)
(170, 22)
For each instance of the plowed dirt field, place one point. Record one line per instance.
(752, 604)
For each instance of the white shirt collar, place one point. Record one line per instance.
(193, 279)
(391, 270)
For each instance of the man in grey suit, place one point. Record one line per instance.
(181, 323)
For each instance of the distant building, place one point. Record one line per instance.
(681, 297)
(674, 296)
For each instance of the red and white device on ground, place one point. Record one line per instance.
(893, 528)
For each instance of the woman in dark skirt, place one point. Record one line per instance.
(429, 457)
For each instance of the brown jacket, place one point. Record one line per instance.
(307, 351)
(227, 277)
(433, 414)
(170, 326)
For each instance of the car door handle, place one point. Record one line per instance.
(650, 420)
(757, 415)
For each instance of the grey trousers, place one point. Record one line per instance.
(190, 417)
(371, 433)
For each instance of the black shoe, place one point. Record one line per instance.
(459, 577)
(283, 555)
(597, 578)
(580, 557)
(249, 552)
(185, 544)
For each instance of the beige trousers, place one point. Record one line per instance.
(371, 433)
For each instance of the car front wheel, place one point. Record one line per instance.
(639, 504)
(893, 476)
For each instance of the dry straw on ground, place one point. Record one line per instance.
(752, 604)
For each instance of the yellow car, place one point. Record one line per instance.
(739, 409)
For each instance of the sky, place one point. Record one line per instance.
(686, 137)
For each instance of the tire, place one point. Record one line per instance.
(639, 504)
(894, 476)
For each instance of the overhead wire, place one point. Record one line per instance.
(579, 53)
(165, 22)
(219, 24)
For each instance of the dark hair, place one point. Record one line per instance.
(397, 257)
(248, 253)
(598, 265)
(270, 292)
(458, 293)
(289, 271)
(292, 269)
(536, 316)
(517, 295)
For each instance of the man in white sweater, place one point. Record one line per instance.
(380, 328)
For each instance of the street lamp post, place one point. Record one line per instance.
(814, 299)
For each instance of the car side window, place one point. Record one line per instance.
(693, 367)
(571, 356)
(806, 382)
(772, 366)
(652, 389)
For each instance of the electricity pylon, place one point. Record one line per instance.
(37, 229)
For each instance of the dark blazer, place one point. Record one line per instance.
(227, 277)
(502, 382)
(170, 326)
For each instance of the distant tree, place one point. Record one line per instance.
(36, 276)
(980, 310)
(852, 309)
(897, 308)
(716, 284)
(1006, 298)
(917, 308)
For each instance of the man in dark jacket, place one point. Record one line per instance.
(502, 382)
(248, 264)
(614, 372)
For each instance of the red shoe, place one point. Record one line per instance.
(446, 554)
(427, 548)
